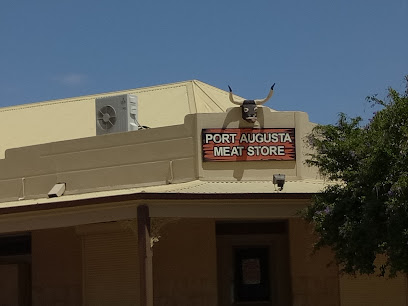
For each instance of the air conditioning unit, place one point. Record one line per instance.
(116, 114)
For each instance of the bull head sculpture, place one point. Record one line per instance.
(249, 107)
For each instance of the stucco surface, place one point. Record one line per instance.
(71, 118)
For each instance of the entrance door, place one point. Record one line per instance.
(251, 274)
(253, 266)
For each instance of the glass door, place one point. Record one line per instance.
(251, 277)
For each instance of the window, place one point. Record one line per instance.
(251, 280)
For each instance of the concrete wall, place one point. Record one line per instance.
(154, 156)
(374, 290)
(184, 264)
(147, 157)
(72, 118)
(56, 268)
(110, 264)
(314, 281)
(9, 284)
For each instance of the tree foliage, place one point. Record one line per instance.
(365, 212)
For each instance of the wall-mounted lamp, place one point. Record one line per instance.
(57, 191)
(279, 179)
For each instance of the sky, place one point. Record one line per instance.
(325, 57)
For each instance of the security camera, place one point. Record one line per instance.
(57, 191)
(279, 179)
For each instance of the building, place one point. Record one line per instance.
(185, 212)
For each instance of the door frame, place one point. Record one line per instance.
(279, 268)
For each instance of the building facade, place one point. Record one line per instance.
(185, 212)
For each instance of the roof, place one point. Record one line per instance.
(240, 187)
(196, 189)
(72, 118)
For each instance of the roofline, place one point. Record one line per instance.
(94, 95)
(153, 196)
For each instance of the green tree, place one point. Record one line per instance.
(364, 213)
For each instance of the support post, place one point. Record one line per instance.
(145, 256)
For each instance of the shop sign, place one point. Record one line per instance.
(248, 144)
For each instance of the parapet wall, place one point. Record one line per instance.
(156, 156)
(145, 157)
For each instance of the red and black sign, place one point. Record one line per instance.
(248, 144)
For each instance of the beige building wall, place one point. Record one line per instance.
(9, 284)
(185, 264)
(71, 118)
(314, 281)
(373, 291)
(56, 267)
(147, 157)
(110, 264)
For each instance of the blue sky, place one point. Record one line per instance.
(325, 56)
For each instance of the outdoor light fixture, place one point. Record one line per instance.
(279, 179)
(57, 191)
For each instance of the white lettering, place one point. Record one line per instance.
(236, 151)
(256, 149)
(228, 151)
(220, 138)
(265, 150)
(251, 138)
(287, 138)
(217, 138)
(263, 137)
(221, 151)
(225, 138)
(272, 150)
(208, 138)
(259, 137)
(243, 138)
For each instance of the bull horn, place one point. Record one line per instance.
(260, 102)
(232, 98)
